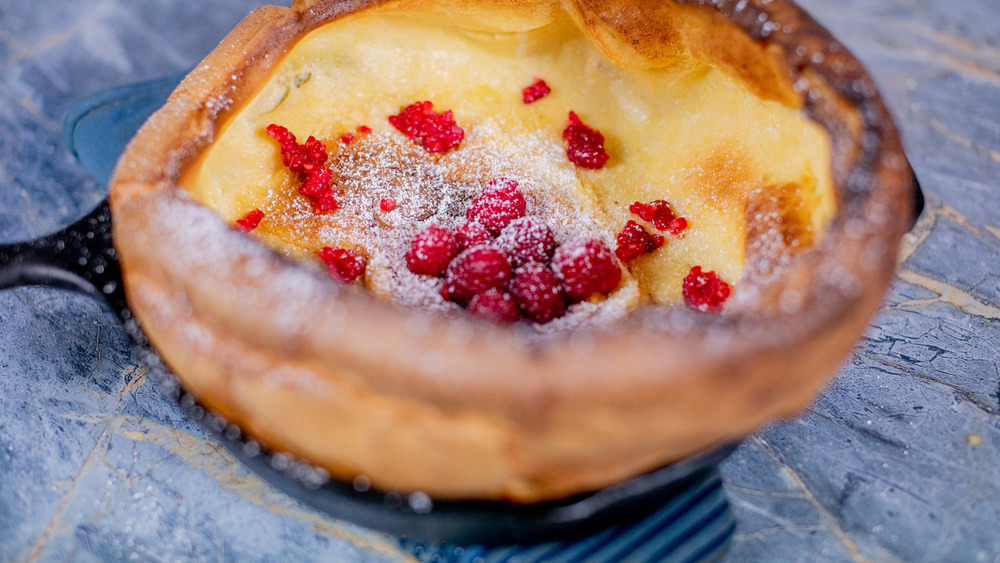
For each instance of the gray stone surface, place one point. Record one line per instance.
(897, 461)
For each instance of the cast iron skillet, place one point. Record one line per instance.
(82, 258)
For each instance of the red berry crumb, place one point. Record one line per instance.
(324, 204)
(475, 271)
(431, 251)
(661, 215)
(585, 145)
(303, 158)
(494, 305)
(677, 226)
(317, 183)
(499, 204)
(538, 293)
(344, 264)
(250, 221)
(435, 131)
(364, 130)
(634, 240)
(347, 138)
(704, 291)
(528, 239)
(470, 234)
(585, 266)
(387, 204)
(535, 92)
(307, 160)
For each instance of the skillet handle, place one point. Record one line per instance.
(918, 200)
(81, 257)
(78, 258)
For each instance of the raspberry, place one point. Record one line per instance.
(475, 271)
(470, 234)
(494, 305)
(431, 251)
(535, 92)
(585, 145)
(344, 264)
(364, 130)
(387, 204)
(499, 204)
(585, 266)
(250, 221)
(528, 239)
(347, 138)
(538, 293)
(635, 240)
(704, 291)
(435, 131)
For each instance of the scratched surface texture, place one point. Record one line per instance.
(897, 461)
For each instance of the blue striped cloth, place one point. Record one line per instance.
(696, 525)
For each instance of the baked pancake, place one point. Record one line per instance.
(783, 165)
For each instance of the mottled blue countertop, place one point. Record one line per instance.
(897, 461)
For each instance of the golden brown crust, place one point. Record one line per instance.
(656, 34)
(467, 409)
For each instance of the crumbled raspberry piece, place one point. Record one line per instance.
(528, 239)
(499, 204)
(317, 183)
(344, 264)
(535, 92)
(387, 204)
(323, 204)
(658, 212)
(661, 214)
(677, 226)
(585, 266)
(635, 240)
(471, 233)
(250, 221)
(347, 138)
(495, 305)
(435, 131)
(538, 292)
(303, 158)
(641, 210)
(286, 140)
(307, 160)
(704, 291)
(431, 251)
(364, 130)
(585, 145)
(311, 156)
(475, 271)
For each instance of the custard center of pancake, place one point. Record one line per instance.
(687, 134)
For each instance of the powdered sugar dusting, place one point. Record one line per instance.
(435, 189)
